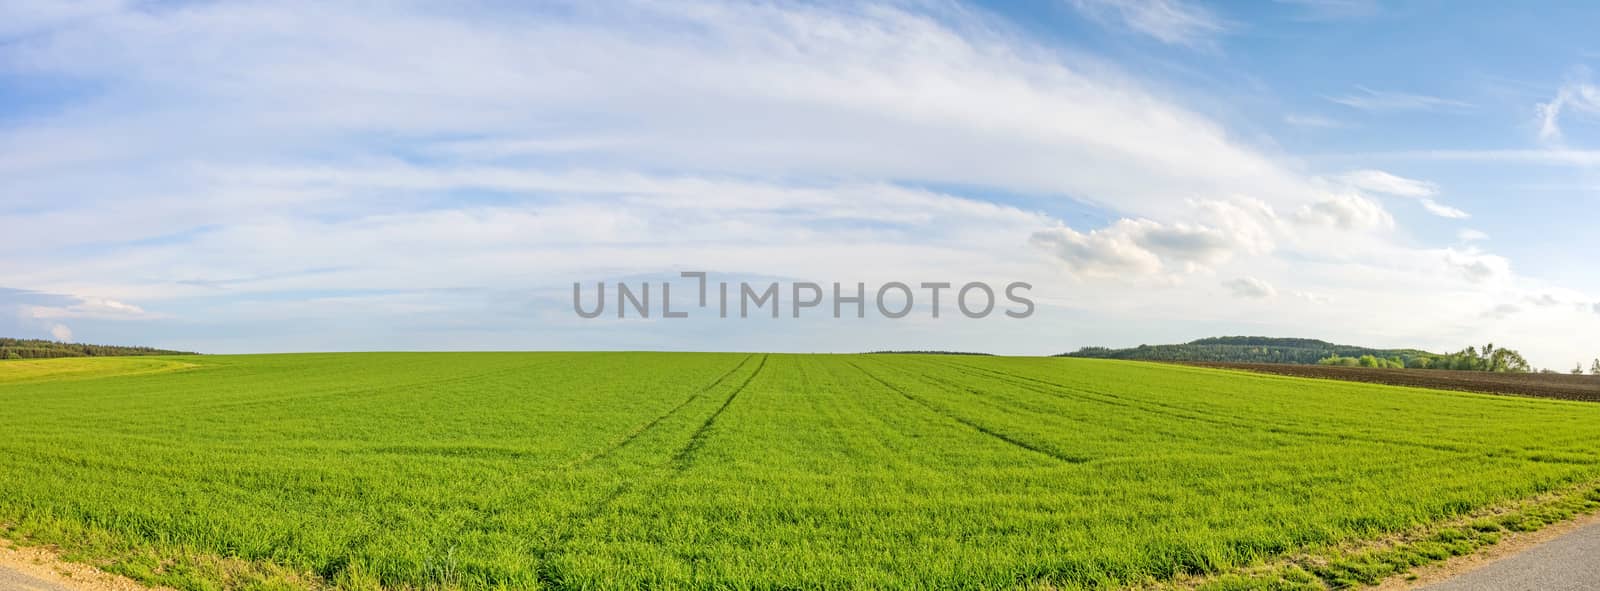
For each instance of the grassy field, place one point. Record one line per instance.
(733, 471)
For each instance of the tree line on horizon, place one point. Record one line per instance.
(44, 349)
(1490, 359)
(1298, 351)
(1242, 349)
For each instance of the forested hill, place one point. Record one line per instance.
(1245, 350)
(42, 349)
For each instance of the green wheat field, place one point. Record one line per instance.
(737, 471)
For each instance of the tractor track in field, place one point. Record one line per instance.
(685, 456)
(973, 424)
(1047, 387)
(680, 461)
(646, 427)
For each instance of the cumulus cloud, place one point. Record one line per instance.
(61, 333)
(1345, 212)
(1251, 288)
(1107, 252)
(1476, 265)
(1175, 22)
(1138, 247)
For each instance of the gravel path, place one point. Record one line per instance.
(1568, 563)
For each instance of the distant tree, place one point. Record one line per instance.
(10, 354)
(1594, 368)
(1507, 361)
(1577, 370)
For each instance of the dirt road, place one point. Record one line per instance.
(35, 569)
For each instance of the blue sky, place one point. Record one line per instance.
(283, 176)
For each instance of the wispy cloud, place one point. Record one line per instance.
(1387, 183)
(1378, 181)
(1312, 121)
(1175, 22)
(1552, 156)
(1327, 10)
(1471, 235)
(1368, 99)
(1442, 210)
(1575, 96)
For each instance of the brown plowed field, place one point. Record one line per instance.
(1563, 386)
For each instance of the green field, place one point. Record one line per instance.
(735, 471)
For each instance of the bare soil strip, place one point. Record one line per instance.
(1560, 386)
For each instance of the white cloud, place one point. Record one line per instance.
(1378, 181)
(1107, 252)
(20, 18)
(966, 103)
(1477, 266)
(1544, 300)
(1442, 210)
(1250, 287)
(1141, 247)
(1575, 96)
(1325, 10)
(1382, 182)
(1312, 297)
(88, 307)
(60, 332)
(1345, 212)
(1502, 311)
(262, 151)
(1471, 235)
(1368, 99)
(1549, 156)
(1175, 22)
(1312, 121)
